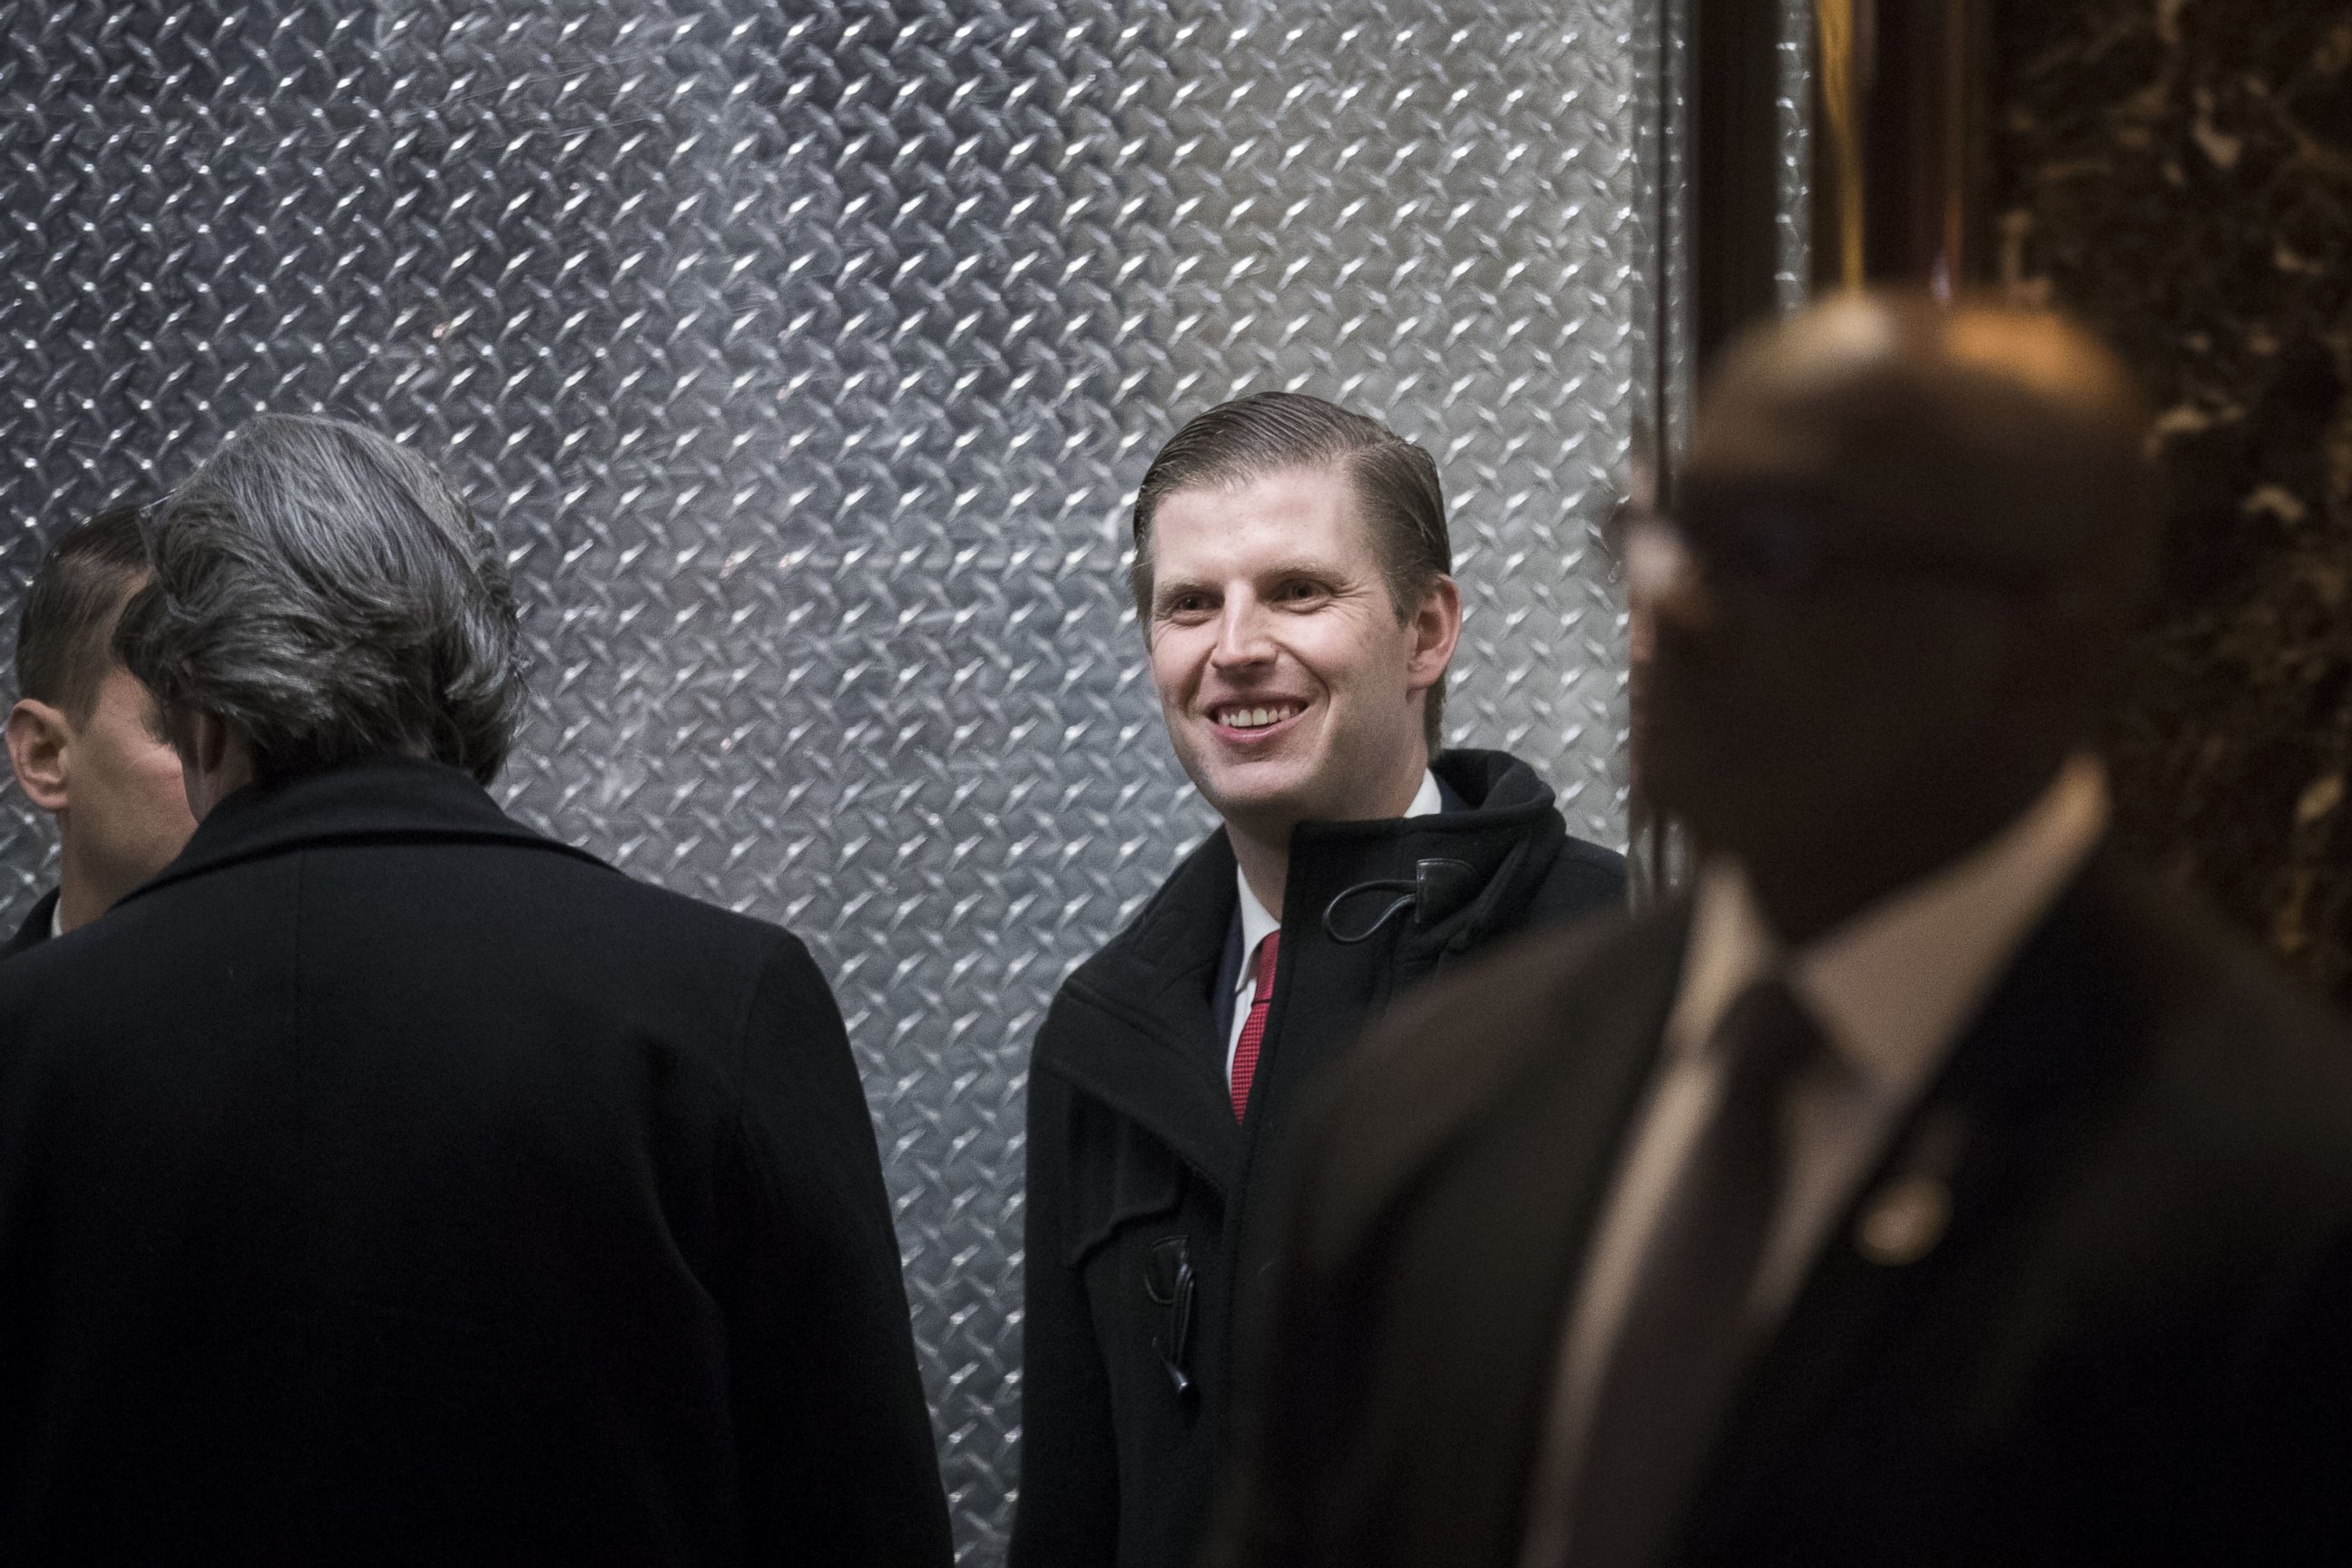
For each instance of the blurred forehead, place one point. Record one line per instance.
(1984, 433)
(1288, 516)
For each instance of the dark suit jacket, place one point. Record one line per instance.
(35, 928)
(384, 1182)
(2132, 1342)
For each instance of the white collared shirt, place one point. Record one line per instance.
(1890, 990)
(57, 919)
(1257, 925)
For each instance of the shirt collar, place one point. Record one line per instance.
(58, 917)
(1257, 924)
(1892, 988)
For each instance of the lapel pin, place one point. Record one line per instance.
(1903, 1221)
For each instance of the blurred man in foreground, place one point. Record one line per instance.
(1927, 1188)
(1293, 575)
(386, 1182)
(82, 736)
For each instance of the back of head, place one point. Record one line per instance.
(326, 593)
(62, 635)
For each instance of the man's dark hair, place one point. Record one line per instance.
(326, 593)
(1394, 481)
(62, 653)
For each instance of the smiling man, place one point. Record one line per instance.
(1293, 578)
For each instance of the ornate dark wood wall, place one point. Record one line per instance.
(2180, 172)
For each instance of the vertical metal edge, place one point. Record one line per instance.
(1657, 850)
(1794, 138)
(1899, 158)
(1735, 177)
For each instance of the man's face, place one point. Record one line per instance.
(114, 784)
(1889, 600)
(130, 802)
(1803, 675)
(1292, 690)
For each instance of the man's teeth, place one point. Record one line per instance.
(1258, 717)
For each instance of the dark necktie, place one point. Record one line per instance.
(1686, 1339)
(1253, 1024)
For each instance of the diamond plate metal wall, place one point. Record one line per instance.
(806, 353)
(1794, 114)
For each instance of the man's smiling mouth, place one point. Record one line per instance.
(1256, 717)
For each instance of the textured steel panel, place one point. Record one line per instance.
(806, 353)
(1794, 116)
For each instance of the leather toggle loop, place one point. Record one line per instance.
(1438, 887)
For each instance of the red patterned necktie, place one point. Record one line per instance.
(1254, 1026)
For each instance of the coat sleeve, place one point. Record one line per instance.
(834, 1436)
(1067, 1515)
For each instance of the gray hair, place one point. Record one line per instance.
(327, 594)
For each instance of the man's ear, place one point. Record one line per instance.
(39, 740)
(203, 742)
(215, 760)
(1436, 628)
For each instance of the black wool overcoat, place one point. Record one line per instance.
(385, 1184)
(1141, 1255)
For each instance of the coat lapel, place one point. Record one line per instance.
(1147, 1044)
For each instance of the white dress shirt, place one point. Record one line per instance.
(1890, 990)
(57, 919)
(1257, 925)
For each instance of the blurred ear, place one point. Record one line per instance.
(214, 761)
(39, 739)
(1436, 626)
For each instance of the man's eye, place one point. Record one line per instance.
(1299, 591)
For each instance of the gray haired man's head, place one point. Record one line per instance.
(326, 595)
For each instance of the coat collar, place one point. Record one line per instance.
(1153, 983)
(385, 800)
(1504, 838)
(36, 929)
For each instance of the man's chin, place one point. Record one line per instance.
(1261, 801)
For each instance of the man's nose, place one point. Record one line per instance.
(1241, 634)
